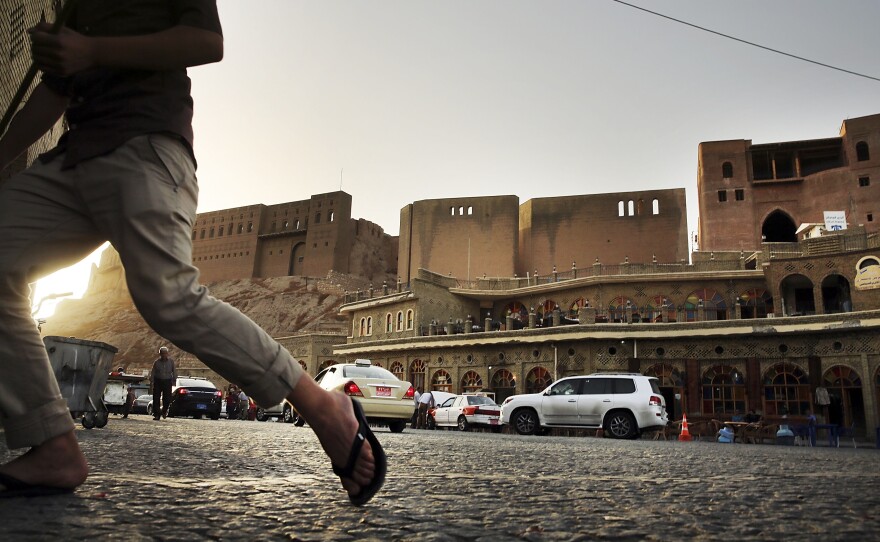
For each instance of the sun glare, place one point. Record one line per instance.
(68, 283)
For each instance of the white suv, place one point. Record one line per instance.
(623, 404)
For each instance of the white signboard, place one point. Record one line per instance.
(868, 278)
(835, 220)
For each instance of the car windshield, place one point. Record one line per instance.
(479, 400)
(355, 371)
(195, 383)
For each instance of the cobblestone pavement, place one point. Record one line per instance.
(182, 479)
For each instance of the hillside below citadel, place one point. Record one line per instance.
(281, 305)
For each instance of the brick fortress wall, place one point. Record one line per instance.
(742, 186)
(300, 238)
(639, 226)
(461, 237)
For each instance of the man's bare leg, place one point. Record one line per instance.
(57, 463)
(331, 417)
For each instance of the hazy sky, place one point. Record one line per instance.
(408, 100)
(418, 100)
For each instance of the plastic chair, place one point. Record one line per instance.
(847, 432)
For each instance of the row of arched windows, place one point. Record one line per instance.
(399, 322)
(228, 230)
(330, 217)
(633, 208)
(785, 390)
(221, 229)
(785, 385)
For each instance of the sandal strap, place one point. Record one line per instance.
(354, 454)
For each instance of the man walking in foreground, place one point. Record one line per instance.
(125, 172)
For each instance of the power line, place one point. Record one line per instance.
(746, 42)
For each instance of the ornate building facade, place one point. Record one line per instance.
(760, 325)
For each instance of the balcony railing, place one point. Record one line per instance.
(724, 262)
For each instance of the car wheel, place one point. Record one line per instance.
(525, 422)
(287, 415)
(197, 416)
(88, 420)
(150, 409)
(215, 416)
(463, 424)
(397, 426)
(621, 425)
(261, 415)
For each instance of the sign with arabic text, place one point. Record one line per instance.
(835, 220)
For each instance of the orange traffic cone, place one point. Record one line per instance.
(685, 434)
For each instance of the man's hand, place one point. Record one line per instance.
(63, 54)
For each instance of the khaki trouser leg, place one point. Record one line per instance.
(43, 227)
(142, 197)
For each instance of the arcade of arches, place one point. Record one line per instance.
(783, 388)
(700, 389)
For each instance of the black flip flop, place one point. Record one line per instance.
(13, 487)
(364, 433)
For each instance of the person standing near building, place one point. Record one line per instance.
(162, 376)
(124, 172)
(129, 400)
(244, 405)
(415, 417)
(426, 401)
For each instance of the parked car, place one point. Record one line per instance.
(283, 411)
(386, 400)
(466, 411)
(440, 397)
(623, 404)
(142, 404)
(193, 396)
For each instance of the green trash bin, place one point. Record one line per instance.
(81, 368)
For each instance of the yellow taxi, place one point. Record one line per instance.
(386, 400)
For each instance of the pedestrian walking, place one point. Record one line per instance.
(162, 376)
(415, 416)
(129, 401)
(231, 402)
(124, 172)
(244, 405)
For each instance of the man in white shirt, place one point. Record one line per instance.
(426, 401)
(415, 416)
